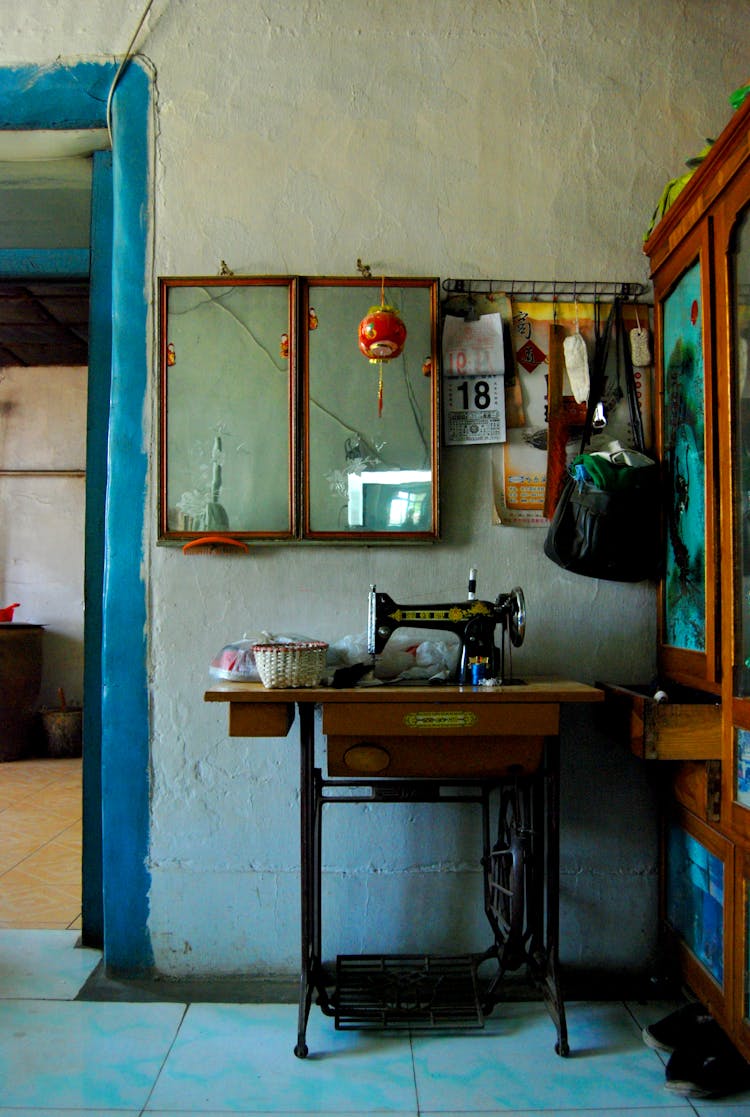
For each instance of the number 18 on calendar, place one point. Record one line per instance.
(473, 381)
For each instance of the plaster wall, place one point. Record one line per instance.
(515, 139)
(42, 511)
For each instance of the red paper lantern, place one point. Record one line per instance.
(382, 334)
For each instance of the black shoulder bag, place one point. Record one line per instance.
(607, 523)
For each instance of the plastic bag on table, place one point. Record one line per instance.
(407, 655)
(236, 662)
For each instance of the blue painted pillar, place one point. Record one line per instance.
(97, 429)
(125, 714)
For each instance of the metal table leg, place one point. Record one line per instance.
(522, 886)
(307, 824)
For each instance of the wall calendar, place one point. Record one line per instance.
(473, 380)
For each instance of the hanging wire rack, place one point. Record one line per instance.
(547, 289)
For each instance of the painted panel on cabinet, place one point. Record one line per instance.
(684, 441)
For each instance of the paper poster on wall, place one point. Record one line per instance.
(473, 380)
(520, 467)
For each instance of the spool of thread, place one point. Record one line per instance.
(478, 673)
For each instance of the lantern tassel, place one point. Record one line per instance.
(380, 388)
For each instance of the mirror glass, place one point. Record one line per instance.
(370, 427)
(227, 407)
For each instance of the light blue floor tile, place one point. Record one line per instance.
(683, 1110)
(239, 1058)
(74, 1055)
(36, 1111)
(512, 1066)
(651, 1011)
(723, 1107)
(44, 964)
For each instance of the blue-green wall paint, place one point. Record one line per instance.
(99, 386)
(75, 96)
(55, 95)
(43, 263)
(125, 720)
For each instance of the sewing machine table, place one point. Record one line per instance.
(430, 744)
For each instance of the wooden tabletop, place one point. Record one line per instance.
(540, 689)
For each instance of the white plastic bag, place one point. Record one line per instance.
(407, 655)
(237, 662)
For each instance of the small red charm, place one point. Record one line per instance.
(382, 333)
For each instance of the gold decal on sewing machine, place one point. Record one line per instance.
(440, 719)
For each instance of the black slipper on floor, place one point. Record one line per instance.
(707, 1065)
(677, 1028)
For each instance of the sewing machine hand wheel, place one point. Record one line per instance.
(516, 606)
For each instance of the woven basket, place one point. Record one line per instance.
(291, 665)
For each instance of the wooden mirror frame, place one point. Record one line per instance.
(192, 487)
(410, 400)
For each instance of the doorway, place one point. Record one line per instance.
(43, 388)
(74, 97)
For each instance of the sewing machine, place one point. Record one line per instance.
(473, 621)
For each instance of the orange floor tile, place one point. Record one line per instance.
(40, 844)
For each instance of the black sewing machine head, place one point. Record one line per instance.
(474, 622)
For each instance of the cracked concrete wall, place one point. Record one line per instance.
(43, 431)
(498, 138)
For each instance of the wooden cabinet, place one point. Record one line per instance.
(700, 264)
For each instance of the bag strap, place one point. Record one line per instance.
(598, 370)
(598, 376)
(631, 388)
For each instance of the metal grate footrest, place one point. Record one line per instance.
(406, 990)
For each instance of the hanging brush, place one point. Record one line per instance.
(640, 349)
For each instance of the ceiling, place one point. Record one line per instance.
(44, 323)
(45, 204)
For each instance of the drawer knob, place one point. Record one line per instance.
(367, 758)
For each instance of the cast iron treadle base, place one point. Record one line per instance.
(406, 990)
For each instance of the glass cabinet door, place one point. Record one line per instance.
(684, 427)
(738, 261)
(695, 898)
(737, 712)
(742, 942)
(688, 625)
(732, 242)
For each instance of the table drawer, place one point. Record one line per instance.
(686, 727)
(447, 757)
(424, 719)
(260, 719)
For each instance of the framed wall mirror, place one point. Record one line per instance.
(228, 419)
(369, 429)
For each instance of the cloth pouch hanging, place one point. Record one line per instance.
(577, 366)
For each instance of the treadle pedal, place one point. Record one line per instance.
(406, 991)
